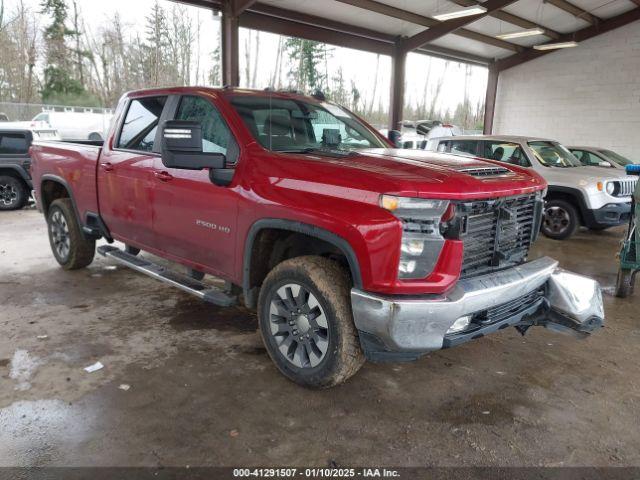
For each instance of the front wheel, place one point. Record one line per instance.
(560, 220)
(304, 310)
(70, 247)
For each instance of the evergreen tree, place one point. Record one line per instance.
(59, 82)
(306, 57)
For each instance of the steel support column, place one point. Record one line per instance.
(230, 46)
(490, 100)
(396, 106)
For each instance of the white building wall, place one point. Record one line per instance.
(588, 95)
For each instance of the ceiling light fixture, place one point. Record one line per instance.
(529, 32)
(466, 12)
(553, 46)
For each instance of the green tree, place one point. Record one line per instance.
(59, 82)
(156, 46)
(306, 57)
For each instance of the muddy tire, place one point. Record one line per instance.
(14, 194)
(624, 284)
(304, 311)
(70, 247)
(560, 220)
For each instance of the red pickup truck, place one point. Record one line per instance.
(347, 247)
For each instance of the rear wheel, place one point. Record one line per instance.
(306, 322)
(624, 285)
(70, 247)
(14, 194)
(560, 220)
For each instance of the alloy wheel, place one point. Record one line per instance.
(8, 194)
(60, 234)
(556, 220)
(299, 325)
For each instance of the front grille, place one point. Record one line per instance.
(498, 233)
(507, 310)
(486, 171)
(625, 188)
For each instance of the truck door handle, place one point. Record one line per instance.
(163, 176)
(107, 166)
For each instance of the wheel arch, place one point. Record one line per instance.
(571, 195)
(17, 172)
(254, 269)
(53, 187)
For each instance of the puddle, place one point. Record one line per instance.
(194, 314)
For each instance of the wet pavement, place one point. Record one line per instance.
(204, 392)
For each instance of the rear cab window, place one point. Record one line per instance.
(140, 125)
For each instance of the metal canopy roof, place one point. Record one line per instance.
(397, 27)
(376, 24)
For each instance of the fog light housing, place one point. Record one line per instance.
(460, 324)
(407, 267)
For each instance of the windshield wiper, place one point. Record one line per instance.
(322, 150)
(297, 150)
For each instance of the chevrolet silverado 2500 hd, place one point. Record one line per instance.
(348, 249)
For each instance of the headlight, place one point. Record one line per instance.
(611, 188)
(421, 238)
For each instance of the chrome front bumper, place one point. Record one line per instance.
(416, 325)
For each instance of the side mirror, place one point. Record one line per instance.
(182, 147)
(604, 163)
(395, 137)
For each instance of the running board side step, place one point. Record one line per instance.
(208, 293)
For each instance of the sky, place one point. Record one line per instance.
(356, 65)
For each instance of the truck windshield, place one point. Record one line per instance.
(552, 154)
(294, 125)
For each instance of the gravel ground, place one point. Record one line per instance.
(202, 390)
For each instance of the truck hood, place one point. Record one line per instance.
(367, 173)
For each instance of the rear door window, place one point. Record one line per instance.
(141, 124)
(13, 144)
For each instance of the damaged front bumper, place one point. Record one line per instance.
(535, 293)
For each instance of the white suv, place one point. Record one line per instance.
(594, 197)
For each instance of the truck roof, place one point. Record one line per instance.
(223, 91)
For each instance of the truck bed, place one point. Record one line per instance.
(75, 163)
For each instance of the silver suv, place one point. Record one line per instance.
(594, 197)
